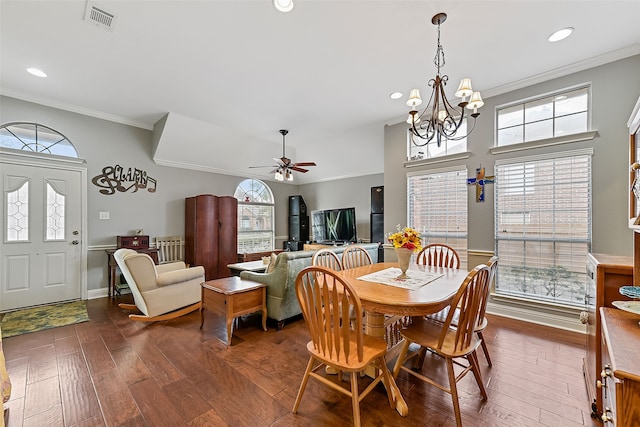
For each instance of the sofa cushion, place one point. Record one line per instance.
(272, 263)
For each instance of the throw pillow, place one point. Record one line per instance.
(272, 263)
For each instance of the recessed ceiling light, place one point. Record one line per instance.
(37, 72)
(283, 5)
(396, 95)
(560, 34)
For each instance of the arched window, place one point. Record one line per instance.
(35, 138)
(255, 217)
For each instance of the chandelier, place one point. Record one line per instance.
(440, 119)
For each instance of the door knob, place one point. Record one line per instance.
(75, 242)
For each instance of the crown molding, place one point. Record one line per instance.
(586, 64)
(76, 109)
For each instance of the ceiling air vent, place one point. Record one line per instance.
(100, 17)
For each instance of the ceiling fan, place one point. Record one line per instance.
(284, 167)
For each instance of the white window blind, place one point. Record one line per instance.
(437, 207)
(543, 227)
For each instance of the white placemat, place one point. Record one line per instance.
(416, 280)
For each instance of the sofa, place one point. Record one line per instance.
(282, 302)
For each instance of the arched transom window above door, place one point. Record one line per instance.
(255, 217)
(35, 138)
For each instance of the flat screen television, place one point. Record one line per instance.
(334, 225)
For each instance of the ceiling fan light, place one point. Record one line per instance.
(283, 5)
(289, 176)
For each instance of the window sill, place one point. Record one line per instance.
(434, 160)
(576, 137)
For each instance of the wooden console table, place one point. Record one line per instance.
(620, 377)
(605, 275)
(112, 267)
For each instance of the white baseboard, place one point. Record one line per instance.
(98, 293)
(568, 321)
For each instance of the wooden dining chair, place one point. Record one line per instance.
(326, 258)
(453, 343)
(355, 256)
(482, 318)
(439, 255)
(326, 300)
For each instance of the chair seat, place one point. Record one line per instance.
(441, 316)
(426, 332)
(372, 349)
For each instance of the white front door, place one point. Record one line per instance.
(41, 252)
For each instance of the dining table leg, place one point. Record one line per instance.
(374, 326)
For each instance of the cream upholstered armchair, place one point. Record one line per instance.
(160, 292)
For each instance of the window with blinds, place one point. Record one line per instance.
(543, 227)
(255, 217)
(437, 207)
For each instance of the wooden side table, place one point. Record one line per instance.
(232, 297)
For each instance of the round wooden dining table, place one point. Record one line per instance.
(379, 299)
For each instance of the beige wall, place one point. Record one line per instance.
(102, 143)
(615, 90)
(344, 193)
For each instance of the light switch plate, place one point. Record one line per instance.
(104, 215)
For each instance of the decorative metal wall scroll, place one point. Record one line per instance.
(116, 178)
(479, 181)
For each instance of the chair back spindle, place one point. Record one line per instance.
(326, 258)
(326, 302)
(438, 255)
(355, 256)
(170, 249)
(468, 300)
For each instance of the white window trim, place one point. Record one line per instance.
(570, 153)
(558, 140)
(436, 160)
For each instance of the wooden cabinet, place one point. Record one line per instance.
(620, 380)
(606, 273)
(211, 233)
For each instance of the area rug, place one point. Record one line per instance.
(45, 317)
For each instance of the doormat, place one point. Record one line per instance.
(45, 317)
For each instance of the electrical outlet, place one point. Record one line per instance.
(104, 215)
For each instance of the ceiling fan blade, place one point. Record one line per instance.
(297, 169)
(304, 164)
(267, 166)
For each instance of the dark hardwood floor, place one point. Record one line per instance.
(116, 372)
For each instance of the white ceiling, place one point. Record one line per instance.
(231, 73)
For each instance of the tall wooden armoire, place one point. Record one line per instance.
(211, 233)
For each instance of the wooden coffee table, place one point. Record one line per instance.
(232, 297)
